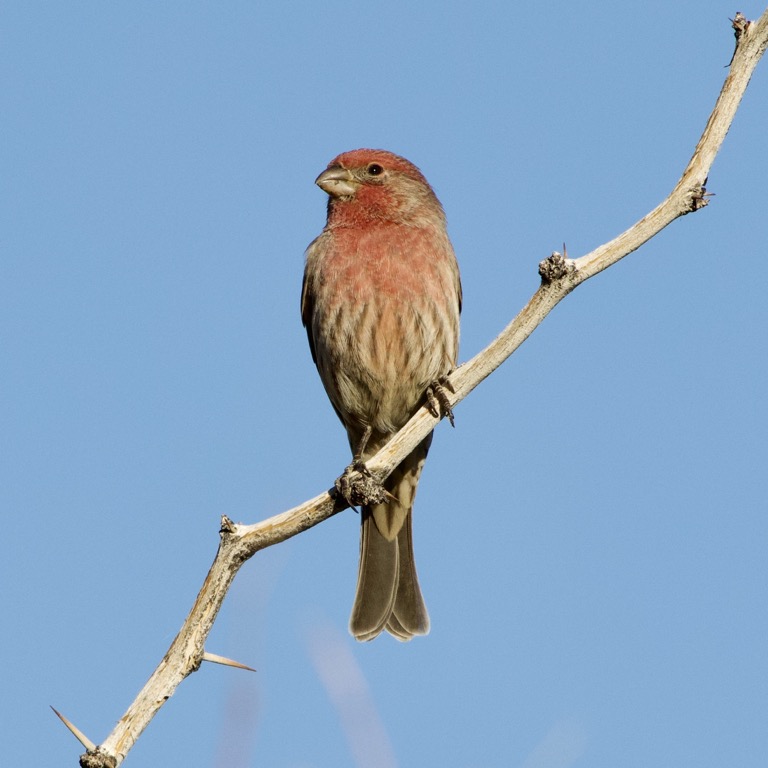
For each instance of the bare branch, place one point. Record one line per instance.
(559, 277)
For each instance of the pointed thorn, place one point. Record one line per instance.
(76, 732)
(216, 659)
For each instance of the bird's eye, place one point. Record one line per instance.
(374, 169)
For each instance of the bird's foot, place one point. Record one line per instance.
(438, 400)
(358, 486)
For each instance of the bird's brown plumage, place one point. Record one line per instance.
(381, 301)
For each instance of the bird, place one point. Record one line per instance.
(380, 300)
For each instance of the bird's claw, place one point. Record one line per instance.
(438, 401)
(358, 486)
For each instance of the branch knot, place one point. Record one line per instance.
(97, 759)
(555, 267)
(698, 198)
(741, 25)
(227, 526)
(358, 487)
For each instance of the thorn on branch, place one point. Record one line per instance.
(555, 267)
(75, 731)
(216, 659)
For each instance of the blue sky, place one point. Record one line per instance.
(590, 538)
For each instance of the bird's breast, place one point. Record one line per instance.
(385, 321)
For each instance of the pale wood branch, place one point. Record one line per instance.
(559, 277)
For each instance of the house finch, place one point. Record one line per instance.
(381, 301)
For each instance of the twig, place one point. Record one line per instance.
(560, 276)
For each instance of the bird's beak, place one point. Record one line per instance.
(337, 182)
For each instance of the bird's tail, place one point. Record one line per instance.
(388, 594)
